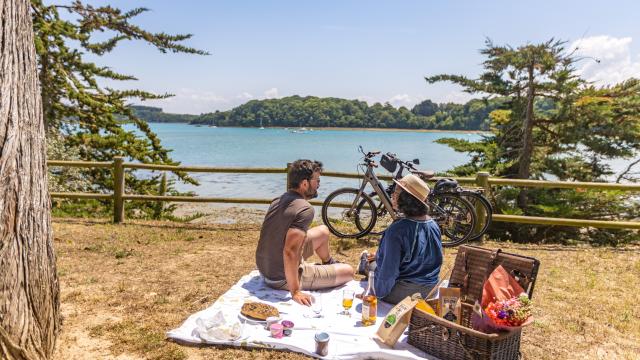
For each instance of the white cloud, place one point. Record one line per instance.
(244, 96)
(191, 101)
(402, 100)
(368, 99)
(271, 93)
(614, 60)
(458, 97)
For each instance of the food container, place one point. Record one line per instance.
(276, 331)
(287, 324)
(322, 343)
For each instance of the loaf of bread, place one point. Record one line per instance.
(259, 310)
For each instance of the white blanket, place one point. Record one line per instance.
(348, 338)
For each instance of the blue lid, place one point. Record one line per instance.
(322, 337)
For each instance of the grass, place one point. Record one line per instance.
(124, 286)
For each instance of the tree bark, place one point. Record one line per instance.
(524, 165)
(29, 290)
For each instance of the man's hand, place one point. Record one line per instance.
(302, 298)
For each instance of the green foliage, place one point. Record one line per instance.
(85, 118)
(156, 115)
(311, 111)
(552, 125)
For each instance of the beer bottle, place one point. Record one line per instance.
(369, 303)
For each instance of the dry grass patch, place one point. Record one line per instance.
(149, 276)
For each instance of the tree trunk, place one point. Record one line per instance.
(524, 165)
(29, 291)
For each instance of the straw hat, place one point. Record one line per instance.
(414, 186)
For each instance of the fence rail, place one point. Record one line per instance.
(482, 179)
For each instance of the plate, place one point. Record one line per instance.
(253, 321)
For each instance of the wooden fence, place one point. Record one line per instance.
(482, 179)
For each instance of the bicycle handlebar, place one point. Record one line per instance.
(406, 164)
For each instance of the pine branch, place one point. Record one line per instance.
(627, 171)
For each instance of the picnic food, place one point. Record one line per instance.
(260, 311)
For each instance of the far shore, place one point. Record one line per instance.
(355, 129)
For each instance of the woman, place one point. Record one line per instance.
(409, 257)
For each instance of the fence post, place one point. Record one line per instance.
(118, 189)
(286, 186)
(482, 179)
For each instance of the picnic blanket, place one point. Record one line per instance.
(348, 338)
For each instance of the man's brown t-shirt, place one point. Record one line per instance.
(288, 211)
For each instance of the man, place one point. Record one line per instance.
(286, 240)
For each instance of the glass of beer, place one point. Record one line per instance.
(347, 301)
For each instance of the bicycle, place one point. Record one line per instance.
(481, 205)
(454, 214)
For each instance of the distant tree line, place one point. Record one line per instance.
(311, 111)
(156, 115)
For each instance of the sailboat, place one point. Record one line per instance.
(261, 127)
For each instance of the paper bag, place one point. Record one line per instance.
(450, 304)
(500, 286)
(396, 321)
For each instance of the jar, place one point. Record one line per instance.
(322, 343)
(276, 331)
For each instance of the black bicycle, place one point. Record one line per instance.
(353, 213)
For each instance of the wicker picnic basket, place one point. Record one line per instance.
(448, 340)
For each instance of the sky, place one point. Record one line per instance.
(376, 51)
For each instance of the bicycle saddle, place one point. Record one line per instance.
(424, 175)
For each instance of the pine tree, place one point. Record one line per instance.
(553, 125)
(87, 117)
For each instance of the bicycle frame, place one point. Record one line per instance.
(371, 178)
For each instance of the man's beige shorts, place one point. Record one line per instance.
(312, 277)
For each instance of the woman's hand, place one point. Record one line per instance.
(371, 256)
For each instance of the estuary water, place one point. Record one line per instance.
(275, 147)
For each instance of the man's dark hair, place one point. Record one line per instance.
(410, 206)
(302, 169)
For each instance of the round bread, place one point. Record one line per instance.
(260, 311)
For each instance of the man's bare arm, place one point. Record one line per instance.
(291, 255)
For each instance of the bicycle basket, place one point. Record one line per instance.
(389, 163)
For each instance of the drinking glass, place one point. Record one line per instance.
(316, 307)
(347, 301)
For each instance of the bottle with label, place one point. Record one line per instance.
(369, 303)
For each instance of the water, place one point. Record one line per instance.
(272, 147)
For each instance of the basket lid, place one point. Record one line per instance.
(474, 264)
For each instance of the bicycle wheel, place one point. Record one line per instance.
(342, 220)
(455, 216)
(383, 220)
(483, 211)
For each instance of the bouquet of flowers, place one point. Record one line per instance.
(512, 312)
(505, 305)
